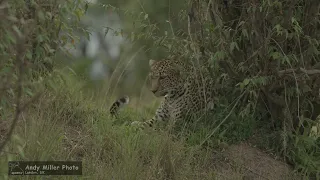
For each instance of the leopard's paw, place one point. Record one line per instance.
(138, 124)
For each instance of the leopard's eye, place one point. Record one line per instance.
(161, 77)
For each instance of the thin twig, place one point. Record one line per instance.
(19, 60)
(231, 111)
(306, 71)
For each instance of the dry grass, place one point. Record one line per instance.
(66, 124)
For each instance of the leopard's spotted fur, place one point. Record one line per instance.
(186, 91)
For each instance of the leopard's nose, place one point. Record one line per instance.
(153, 91)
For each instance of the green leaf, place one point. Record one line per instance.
(20, 150)
(275, 55)
(15, 28)
(41, 15)
(5, 70)
(28, 91)
(233, 45)
(246, 82)
(245, 33)
(11, 37)
(241, 23)
(40, 38)
(146, 16)
(29, 55)
(278, 29)
(219, 55)
(285, 59)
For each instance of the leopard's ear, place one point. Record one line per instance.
(151, 62)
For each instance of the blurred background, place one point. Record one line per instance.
(115, 41)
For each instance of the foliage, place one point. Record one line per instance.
(267, 52)
(263, 56)
(29, 32)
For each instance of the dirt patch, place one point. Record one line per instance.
(243, 161)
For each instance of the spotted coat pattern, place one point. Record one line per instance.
(186, 91)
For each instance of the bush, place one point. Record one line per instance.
(263, 53)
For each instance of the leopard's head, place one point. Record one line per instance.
(164, 76)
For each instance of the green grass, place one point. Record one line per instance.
(71, 121)
(67, 123)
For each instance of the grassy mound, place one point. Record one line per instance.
(67, 123)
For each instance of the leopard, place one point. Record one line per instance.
(184, 90)
(118, 105)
